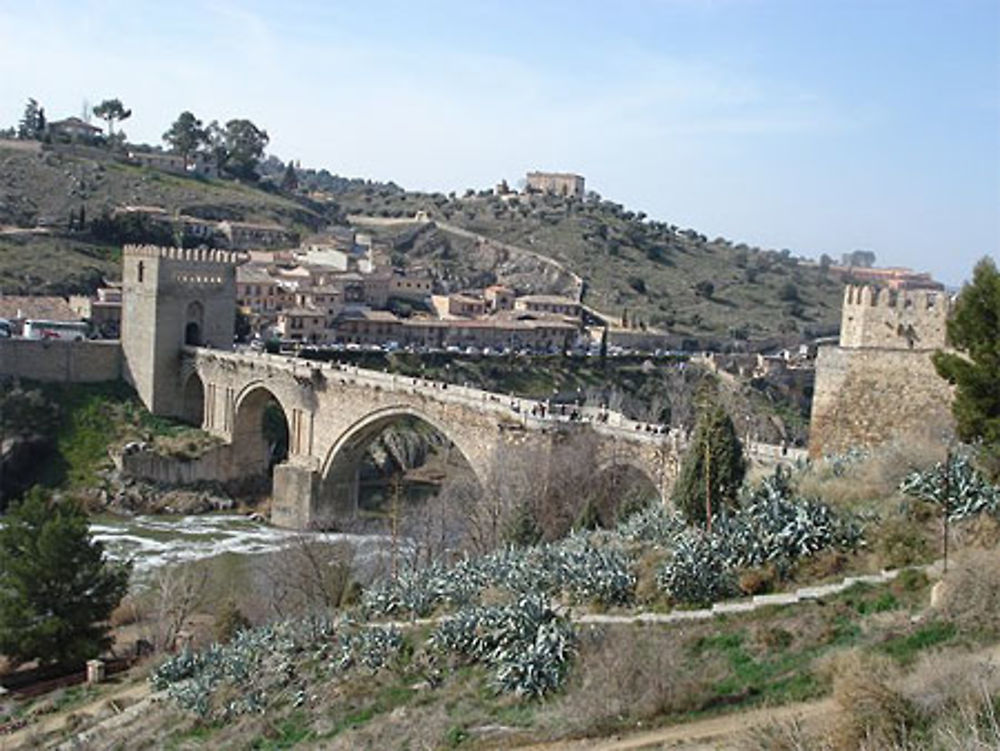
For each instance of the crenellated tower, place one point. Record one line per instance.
(880, 383)
(876, 317)
(173, 297)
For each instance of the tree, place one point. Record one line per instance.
(25, 416)
(714, 466)
(290, 181)
(112, 110)
(863, 259)
(186, 135)
(974, 330)
(32, 125)
(57, 589)
(704, 289)
(788, 292)
(244, 143)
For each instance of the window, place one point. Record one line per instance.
(139, 271)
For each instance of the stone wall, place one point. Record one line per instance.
(215, 465)
(868, 396)
(48, 360)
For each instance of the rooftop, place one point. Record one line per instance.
(50, 308)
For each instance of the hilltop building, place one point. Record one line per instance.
(556, 183)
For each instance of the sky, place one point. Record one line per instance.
(821, 126)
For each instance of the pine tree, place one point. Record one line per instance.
(974, 329)
(712, 470)
(57, 590)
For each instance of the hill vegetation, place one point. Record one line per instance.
(632, 268)
(646, 271)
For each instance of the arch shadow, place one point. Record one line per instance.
(340, 471)
(259, 420)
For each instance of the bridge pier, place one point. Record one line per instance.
(293, 495)
(300, 499)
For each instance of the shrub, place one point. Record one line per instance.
(873, 712)
(971, 597)
(229, 621)
(901, 541)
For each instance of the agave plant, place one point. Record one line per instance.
(526, 645)
(956, 485)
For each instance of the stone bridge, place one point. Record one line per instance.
(178, 311)
(334, 411)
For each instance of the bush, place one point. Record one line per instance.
(971, 597)
(229, 621)
(873, 712)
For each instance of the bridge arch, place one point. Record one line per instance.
(193, 398)
(339, 472)
(623, 483)
(260, 428)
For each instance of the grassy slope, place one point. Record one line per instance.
(650, 268)
(47, 186)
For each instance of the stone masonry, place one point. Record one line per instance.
(333, 412)
(879, 384)
(177, 329)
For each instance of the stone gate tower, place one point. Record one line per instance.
(172, 297)
(880, 382)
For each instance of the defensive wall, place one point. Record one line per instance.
(59, 361)
(879, 383)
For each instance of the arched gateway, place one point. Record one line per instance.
(330, 412)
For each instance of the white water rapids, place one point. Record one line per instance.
(154, 541)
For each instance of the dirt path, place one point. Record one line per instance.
(704, 735)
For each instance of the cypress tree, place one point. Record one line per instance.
(712, 470)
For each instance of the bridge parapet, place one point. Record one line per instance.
(529, 413)
(334, 410)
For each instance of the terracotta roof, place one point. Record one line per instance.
(41, 307)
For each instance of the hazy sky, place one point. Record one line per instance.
(819, 126)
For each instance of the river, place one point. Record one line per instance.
(154, 541)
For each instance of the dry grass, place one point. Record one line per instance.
(625, 678)
(875, 478)
(873, 711)
(971, 597)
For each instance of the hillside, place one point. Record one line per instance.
(650, 270)
(628, 266)
(39, 189)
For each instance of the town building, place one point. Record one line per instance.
(556, 304)
(103, 310)
(895, 278)
(498, 297)
(20, 308)
(73, 129)
(245, 235)
(458, 305)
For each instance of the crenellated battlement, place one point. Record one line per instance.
(894, 319)
(195, 255)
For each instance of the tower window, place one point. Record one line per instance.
(139, 271)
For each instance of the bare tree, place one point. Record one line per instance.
(309, 575)
(178, 591)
